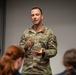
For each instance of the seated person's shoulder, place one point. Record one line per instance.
(17, 73)
(62, 73)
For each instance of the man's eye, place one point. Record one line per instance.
(32, 15)
(37, 14)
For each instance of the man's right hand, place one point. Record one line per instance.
(28, 43)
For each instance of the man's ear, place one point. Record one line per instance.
(42, 17)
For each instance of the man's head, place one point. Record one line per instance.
(36, 15)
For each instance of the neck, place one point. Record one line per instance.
(38, 27)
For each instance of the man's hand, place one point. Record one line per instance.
(39, 52)
(28, 43)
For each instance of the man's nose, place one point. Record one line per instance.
(34, 16)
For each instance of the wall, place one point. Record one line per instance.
(2, 20)
(59, 15)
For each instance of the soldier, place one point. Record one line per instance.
(40, 45)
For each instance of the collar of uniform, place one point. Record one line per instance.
(33, 31)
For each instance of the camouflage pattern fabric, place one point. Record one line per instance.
(38, 64)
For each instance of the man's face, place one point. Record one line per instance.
(36, 16)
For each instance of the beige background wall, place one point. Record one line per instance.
(59, 15)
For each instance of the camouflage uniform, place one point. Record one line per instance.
(38, 64)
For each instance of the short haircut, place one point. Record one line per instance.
(38, 8)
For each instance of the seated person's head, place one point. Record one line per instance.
(69, 60)
(12, 59)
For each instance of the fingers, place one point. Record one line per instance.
(39, 52)
(29, 39)
(28, 43)
(42, 49)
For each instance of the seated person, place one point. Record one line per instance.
(69, 61)
(11, 61)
